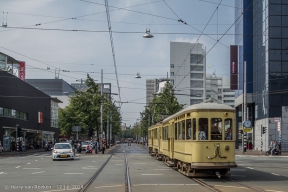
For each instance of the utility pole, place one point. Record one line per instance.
(244, 115)
(107, 130)
(101, 111)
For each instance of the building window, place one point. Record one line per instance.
(196, 75)
(54, 114)
(172, 66)
(196, 68)
(172, 73)
(12, 113)
(196, 58)
(196, 84)
(196, 93)
(195, 101)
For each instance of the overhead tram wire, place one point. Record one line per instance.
(112, 46)
(74, 18)
(217, 42)
(180, 20)
(220, 4)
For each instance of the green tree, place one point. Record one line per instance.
(84, 110)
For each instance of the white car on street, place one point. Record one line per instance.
(62, 151)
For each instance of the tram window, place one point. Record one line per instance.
(155, 133)
(179, 131)
(216, 129)
(188, 129)
(194, 128)
(175, 129)
(183, 130)
(203, 129)
(228, 129)
(166, 132)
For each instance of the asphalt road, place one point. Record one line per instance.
(39, 173)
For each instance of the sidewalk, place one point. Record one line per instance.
(257, 153)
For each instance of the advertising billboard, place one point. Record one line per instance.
(233, 67)
(22, 70)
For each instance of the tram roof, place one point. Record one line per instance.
(201, 106)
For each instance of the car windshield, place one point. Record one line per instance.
(62, 146)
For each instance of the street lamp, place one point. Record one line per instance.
(147, 34)
(138, 76)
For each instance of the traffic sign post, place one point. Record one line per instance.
(77, 129)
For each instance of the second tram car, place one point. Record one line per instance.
(199, 140)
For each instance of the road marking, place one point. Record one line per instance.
(139, 163)
(31, 168)
(119, 164)
(116, 160)
(28, 163)
(165, 169)
(228, 186)
(162, 184)
(274, 191)
(108, 186)
(72, 173)
(250, 168)
(17, 167)
(36, 160)
(275, 174)
(89, 167)
(2, 173)
(42, 158)
(151, 174)
(38, 172)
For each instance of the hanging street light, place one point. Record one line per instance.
(138, 76)
(147, 34)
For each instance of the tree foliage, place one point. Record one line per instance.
(161, 106)
(84, 111)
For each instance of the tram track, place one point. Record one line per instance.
(93, 178)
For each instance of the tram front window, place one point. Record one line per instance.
(228, 129)
(216, 129)
(203, 129)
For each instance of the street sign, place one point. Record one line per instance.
(247, 130)
(76, 128)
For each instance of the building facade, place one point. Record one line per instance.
(267, 69)
(24, 105)
(154, 86)
(188, 72)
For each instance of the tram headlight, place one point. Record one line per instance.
(226, 148)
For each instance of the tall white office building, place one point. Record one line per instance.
(188, 72)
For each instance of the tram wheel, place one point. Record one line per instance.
(188, 169)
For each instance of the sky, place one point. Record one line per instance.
(41, 34)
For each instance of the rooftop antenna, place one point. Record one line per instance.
(214, 73)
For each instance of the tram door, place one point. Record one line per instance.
(159, 138)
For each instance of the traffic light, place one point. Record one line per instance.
(19, 131)
(264, 130)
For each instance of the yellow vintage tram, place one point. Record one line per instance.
(199, 140)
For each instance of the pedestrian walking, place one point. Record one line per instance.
(23, 146)
(96, 146)
(103, 145)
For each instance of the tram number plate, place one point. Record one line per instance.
(63, 156)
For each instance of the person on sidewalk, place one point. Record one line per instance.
(96, 146)
(23, 146)
(273, 147)
(103, 145)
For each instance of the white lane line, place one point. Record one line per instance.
(31, 168)
(250, 168)
(275, 174)
(72, 173)
(191, 184)
(151, 174)
(36, 160)
(28, 163)
(145, 185)
(229, 186)
(17, 167)
(108, 186)
(163, 184)
(38, 172)
(171, 184)
(163, 169)
(274, 191)
(2, 173)
(42, 158)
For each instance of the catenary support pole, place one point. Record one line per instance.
(244, 109)
(101, 111)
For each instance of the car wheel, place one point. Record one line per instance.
(54, 159)
(72, 159)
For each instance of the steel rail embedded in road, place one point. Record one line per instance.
(239, 183)
(205, 185)
(127, 176)
(87, 185)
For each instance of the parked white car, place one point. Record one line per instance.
(62, 151)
